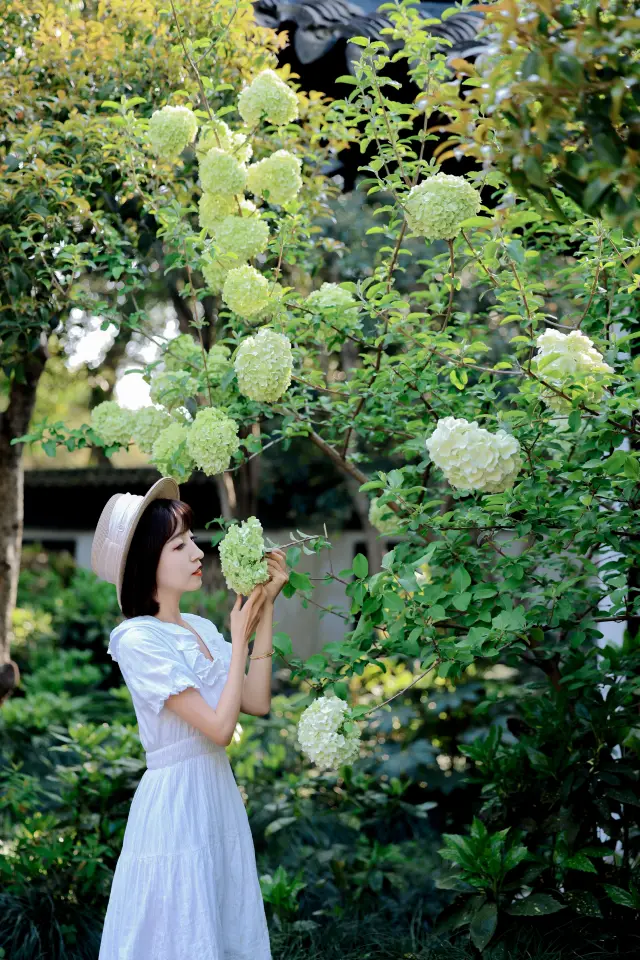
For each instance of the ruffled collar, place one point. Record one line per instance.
(186, 642)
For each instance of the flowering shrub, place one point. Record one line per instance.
(148, 423)
(222, 174)
(173, 388)
(324, 734)
(566, 360)
(212, 439)
(245, 291)
(242, 556)
(437, 206)
(276, 177)
(171, 130)
(383, 518)
(170, 455)
(263, 365)
(268, 97)
(112, 423)
(246, 236)
(472, 458)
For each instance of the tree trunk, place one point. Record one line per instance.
(14, 422)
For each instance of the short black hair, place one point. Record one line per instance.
(161, 520)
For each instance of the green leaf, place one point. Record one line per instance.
(622, 897)
(483, 926)
(282, 644)
(299, 581)
(536, 905)
(360, 566)
(580, 862)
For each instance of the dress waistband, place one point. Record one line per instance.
(182, 750)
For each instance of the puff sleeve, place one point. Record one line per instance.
(152, 669)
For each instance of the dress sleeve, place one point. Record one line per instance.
(152, 670)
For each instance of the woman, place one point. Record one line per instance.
(185, 884)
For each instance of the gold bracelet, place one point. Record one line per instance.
(260, 656)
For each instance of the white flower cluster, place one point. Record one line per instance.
(244, 236)
(214, 207)
(245, 291)
(268, 96)
(112, 423)
(216, 133)
(149, 422)
(263, 365)
(279, 174)
(383, 518)
(212, 439)
(215, 271)
(218, 362)
(172, 388)
(170, 455)
(242, 557)
(221, 173)
(331, 297)
(436, 207)
(472, 458)
(171, 130)
(321, 734)
(566, 361)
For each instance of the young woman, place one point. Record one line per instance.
(185, 884)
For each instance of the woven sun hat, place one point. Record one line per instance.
(117, 525)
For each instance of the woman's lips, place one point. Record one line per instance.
(197, 573)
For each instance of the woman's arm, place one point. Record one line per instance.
(256, 694)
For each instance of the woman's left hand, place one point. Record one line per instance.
(278, 576)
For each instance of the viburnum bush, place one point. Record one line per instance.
(501, 383)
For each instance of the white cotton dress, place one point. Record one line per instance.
(185, 885)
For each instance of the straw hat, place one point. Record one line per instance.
(117, 525)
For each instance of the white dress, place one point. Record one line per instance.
(185, 885)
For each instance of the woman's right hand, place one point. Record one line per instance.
(244, 620)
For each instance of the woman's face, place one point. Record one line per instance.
(179, 564)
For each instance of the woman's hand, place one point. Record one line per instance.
(244, 620)
(278, 576)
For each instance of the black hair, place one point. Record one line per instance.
(161, 520)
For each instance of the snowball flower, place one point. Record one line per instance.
(171, 130)
(212, 439)
(383, 518)
(149, 422)
(245, 291)
(275, 305)
(244, 236)
(212, 207)
(279, 174)
(332, 297)
(242, 557)
(269, 96)
(215, 270)
(222, 173)
(169, 453)
(112, 423)
(567, 360)
(472, 458)
(218, 362)
(185, 352)
(322, 736)
(216, 133)
(436, 207)
(263, 365)
(173, 388)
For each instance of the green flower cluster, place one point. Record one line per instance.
(436, 207)
(173, 388)
(244, 236)
(218, 363)
(571, 363)
(185, 352)
(171, 129)
(212, 207)
(170, 455)
(215, 270)
(216, 133)
(278, 174)
(268, 96)
(112, 423)
(263, 365)
(383, 518)
(149, 422)
(242, 557)
(212, 439)
(245, 291)
(221, 173)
